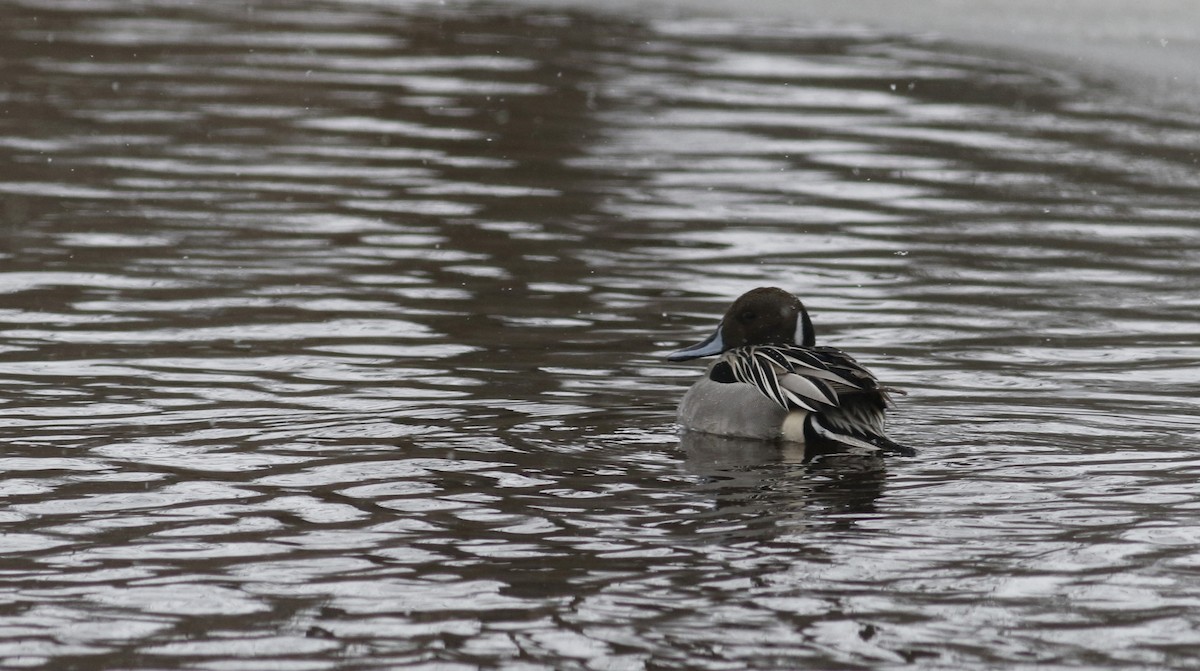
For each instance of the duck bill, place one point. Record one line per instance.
(713, 345)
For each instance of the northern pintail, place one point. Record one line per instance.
(771, 381)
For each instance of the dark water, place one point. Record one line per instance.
(331, 336)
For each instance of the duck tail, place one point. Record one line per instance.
(890, 446)
(817, 431)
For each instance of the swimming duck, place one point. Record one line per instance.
(771, 381)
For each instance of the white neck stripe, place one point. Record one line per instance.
(798, 336)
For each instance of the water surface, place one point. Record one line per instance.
(331, 337)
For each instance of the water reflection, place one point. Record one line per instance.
(764, 492)
(332, 333)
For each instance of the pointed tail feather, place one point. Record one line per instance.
(819, 430)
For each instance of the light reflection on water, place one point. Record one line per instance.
(332, 338)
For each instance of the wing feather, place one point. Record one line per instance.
(813, 388)
(845, 400)
(795, 377)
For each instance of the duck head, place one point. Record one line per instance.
(763, 316)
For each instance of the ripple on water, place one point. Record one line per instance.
(333, 333)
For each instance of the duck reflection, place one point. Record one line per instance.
(762, 489)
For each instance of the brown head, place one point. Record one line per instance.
(763, 316)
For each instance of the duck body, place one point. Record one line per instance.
(771, 382)
(737, 410)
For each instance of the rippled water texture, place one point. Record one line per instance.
(332, 338)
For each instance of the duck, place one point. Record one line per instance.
(771, 381)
